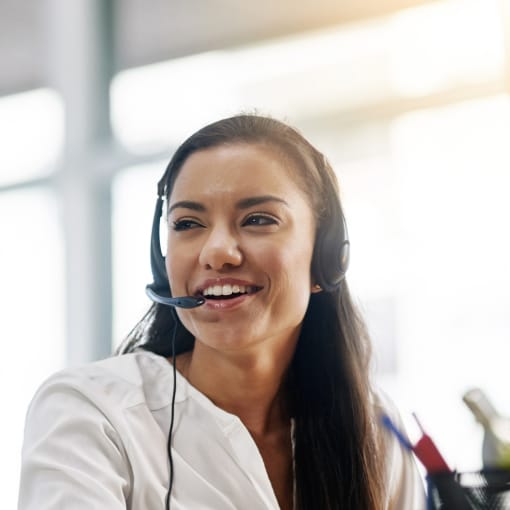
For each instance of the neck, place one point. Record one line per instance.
(247, 384)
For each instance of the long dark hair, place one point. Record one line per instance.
(338, 464)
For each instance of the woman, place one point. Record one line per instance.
(272, 404)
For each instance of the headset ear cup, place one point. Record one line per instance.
(331, 256)
(160, 283)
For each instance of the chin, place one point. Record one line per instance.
(231, 341)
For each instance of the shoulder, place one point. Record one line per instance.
(405, 487)
(383, 404)
(110, 385)
(78, 425)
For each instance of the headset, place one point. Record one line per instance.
(330, 261)
(159, 290)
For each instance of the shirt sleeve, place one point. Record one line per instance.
(72, 457)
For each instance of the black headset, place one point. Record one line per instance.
(330, 258)
(160, 284)
(159, 290)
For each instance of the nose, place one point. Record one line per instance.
(220, 250)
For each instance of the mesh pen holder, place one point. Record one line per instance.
(477, 490)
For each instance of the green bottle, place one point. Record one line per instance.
(496, 439)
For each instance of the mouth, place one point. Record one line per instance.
(227, 291)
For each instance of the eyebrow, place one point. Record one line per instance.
(244, 203)
(187, 204)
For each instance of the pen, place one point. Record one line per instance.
(425, 449)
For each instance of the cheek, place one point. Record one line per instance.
(288, 268)
(176, 267)
(290, 287)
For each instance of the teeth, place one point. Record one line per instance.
(226, 290)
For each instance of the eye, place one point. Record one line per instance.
(180, 225)
(259, 220)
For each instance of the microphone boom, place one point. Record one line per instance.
(179, 302)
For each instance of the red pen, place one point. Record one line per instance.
(428, 454)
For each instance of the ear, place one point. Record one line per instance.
(316, 288)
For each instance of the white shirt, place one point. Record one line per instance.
(96, 438)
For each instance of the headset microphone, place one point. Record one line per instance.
(180, 302)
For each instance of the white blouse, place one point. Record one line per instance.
(96, 438)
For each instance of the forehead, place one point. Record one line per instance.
(246, 169)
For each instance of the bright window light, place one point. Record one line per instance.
(446, 44)
(134, 199)
(306, 75)
(32, 131)
(341, 71)
(453, 280)
(32, 308)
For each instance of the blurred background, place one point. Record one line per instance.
(409, 100)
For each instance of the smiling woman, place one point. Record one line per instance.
(259, 395)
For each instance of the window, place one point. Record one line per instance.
(32, 307)
(33, 124)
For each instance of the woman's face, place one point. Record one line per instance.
(241, 233)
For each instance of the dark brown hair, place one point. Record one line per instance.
(337, 460)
